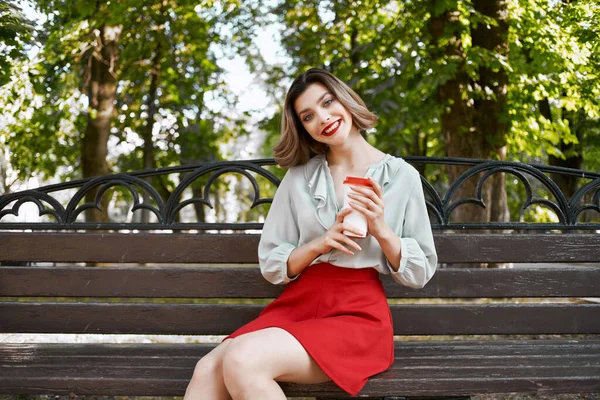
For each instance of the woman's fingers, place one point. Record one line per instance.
(365, 201)
(334, 243)
(361, 208)
(340, 226)
(370, 193)
(348, 242)
(345, 240)
(366, 195)
(340, 216)
(376, 187)
(341, 242)
(353, 229)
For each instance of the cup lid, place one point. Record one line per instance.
(354, 180)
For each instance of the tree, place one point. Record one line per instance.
(101, 73)
(556, 88)
(366, 43)
(121, 68)
(472, 39)
(15, 32)
(462, 78)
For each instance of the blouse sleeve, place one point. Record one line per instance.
(279, 236)
(418, 260)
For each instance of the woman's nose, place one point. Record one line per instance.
(325, 118)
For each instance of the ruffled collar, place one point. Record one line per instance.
(321, 187)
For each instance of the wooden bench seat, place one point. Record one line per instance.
(425, 368)
(481, 330)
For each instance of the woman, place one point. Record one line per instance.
(332, 321)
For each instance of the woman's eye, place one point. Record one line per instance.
(328, 102)
(307, 117)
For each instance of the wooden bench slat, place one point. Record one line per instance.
(496, 319)
(216, 248)
(460, 387)
(248, 283)
(76, 369)
(405, 373)
(456, 365)
(205, 319)
(496, 347)
(25, 352)
(376, 387)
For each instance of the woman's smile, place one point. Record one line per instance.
(331, 128)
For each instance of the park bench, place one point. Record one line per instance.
(471, 330)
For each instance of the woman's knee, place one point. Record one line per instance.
(208, 367)
(242, 374)
(240, 357)
(211, 365)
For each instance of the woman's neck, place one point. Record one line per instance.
(354, 152)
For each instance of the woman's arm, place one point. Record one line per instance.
(280, 235)
(418, 260)
(391, 245)
(302, 256)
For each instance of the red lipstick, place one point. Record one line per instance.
(328, 131)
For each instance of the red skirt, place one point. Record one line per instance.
(341, 317)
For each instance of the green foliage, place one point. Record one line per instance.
(555, 59)
(369, 45)
(15, 31)
(392, 55)
(167, 52)
(388, 51)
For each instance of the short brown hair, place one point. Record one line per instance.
(296, 146)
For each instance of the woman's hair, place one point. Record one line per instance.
(296, 146)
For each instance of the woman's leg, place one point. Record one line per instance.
(207, 380)
(256, 361)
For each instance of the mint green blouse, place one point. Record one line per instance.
(305, 207)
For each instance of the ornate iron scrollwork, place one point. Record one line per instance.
(441, 206)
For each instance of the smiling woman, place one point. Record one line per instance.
(321, 92)
(332, 322)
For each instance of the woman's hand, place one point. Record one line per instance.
(370, 203)
(335, 239)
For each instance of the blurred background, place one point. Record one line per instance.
(97, 87)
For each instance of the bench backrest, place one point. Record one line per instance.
(210, 284)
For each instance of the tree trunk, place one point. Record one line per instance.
(148, 150)
(490, 118)
(102, 91)
(457, 118)
(475, 127)
(148, 128)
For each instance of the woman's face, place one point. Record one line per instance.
(323, 116)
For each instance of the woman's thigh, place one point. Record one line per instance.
(279, 354)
